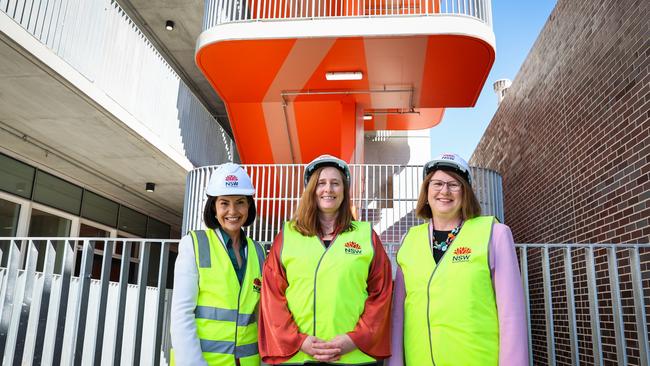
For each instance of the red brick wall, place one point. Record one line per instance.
(572, 137)
(572, 142)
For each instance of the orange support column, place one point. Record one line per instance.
(350, 131)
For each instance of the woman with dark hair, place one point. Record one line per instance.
(327, 285)
(458, 295)
(217, 279)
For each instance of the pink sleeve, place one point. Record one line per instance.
(397, 338)
(506, 278)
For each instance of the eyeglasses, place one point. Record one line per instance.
(438, 185)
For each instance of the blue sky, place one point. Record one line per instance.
(516, 26)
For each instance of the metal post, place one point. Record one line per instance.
(30, 274)
(48, 269)
(160, 308)
(121, 300)
(594, 313)
(62, 306)
(103, 298)
(619, 330)
(143, 272)
(639, 306)
(523, 265)
(571, 307)
(13, 264)
(548, 307)
(82, 301)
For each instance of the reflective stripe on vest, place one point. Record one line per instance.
(319, 278)
(455, 297)
(225, 314)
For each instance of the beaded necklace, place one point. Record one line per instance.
(442, 246)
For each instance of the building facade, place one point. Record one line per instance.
(88, 99)
(571, 139)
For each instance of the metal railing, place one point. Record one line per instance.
(51, 316)
(585, 302)
(99, 40)
(385, 195)
(230, 11)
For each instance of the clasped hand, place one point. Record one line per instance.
(328, 351)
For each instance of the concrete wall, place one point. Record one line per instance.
(572, 142)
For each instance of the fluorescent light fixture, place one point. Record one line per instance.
(344, 75)
(169, 25)
(367, 117)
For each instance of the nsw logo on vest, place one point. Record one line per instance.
(352, 248)
(257, 285)
(232, 181)
(461, 254)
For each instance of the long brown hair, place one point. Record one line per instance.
(469, 206)
(305, 219)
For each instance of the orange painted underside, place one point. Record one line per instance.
(282, 109)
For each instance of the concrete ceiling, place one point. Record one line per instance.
(178, 46)
(46, 121)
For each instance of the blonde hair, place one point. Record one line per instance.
(305, 219)
(469, 206)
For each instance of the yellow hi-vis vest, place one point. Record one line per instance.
(450, 313)
(226, 313)
(327, 287)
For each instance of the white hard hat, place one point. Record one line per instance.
(230, 180)
(450, 162)
(327, 160)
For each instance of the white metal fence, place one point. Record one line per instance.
(229, 11)
(587, 303)
(50, 316)
(100, 41)
(385, 195)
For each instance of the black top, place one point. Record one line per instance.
(327, 243)
(439, 236)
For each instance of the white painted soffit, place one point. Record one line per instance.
(12, 32)
(53, 117)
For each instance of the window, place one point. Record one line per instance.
(45, 224)
(9, 212)
(59, 205)
(57, 193)
(100, 209)
(89, 231)
(15, 177)
(133, 259)
(157, 229)
(132, 221)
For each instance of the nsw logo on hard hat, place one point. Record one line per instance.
(352, 248)
(449, 156)
(461, 254)
(232, 181)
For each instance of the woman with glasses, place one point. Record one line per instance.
(458, 296)
(327, 284)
